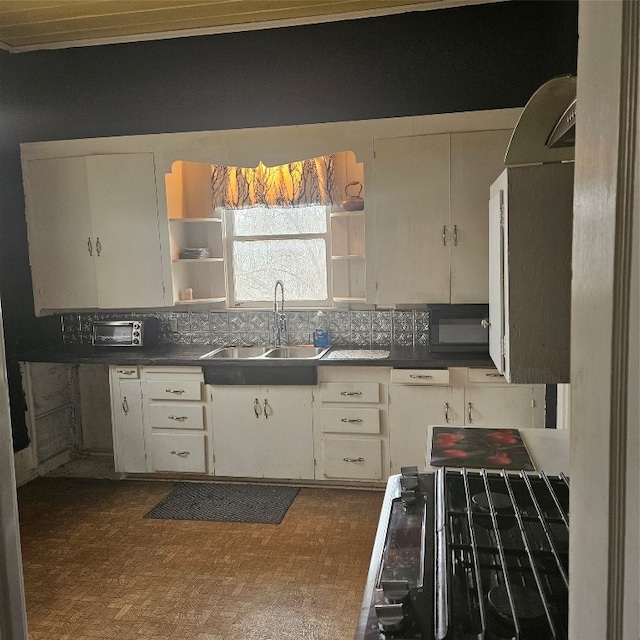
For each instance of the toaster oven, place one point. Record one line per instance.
(118, 333)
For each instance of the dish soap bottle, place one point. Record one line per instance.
(321, 335)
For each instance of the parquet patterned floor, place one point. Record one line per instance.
(94, 568)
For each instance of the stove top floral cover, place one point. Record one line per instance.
(479, 448)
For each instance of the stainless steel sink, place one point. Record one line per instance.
(300, 352)
(226, 353)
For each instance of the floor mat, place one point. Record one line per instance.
(219, 502)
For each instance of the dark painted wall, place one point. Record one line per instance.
(461, 59)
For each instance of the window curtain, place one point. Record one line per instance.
(305, 182)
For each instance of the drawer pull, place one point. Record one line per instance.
(178, 391)
(180, 454)
(256, 408)
(493, 375)
(353, 459)
(446, 412)
(126, 372)
(351, 393)
(420, 376)
(179, 418)
(352, 420)
(125, 406)
(469, 416)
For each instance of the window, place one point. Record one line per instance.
(265, 244)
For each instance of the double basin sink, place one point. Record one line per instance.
(301, 352)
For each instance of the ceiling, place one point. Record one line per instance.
(26, 25)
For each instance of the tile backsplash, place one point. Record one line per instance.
(359, 328)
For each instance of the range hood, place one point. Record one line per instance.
(545, 131)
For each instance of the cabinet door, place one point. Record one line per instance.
(496, 283)
(261, 432)
(286, 433)
(129, 443)
(238, 424)
(412, 408)
(124, 215)
(60, 234)
(412, 219)
(477, 159)
(519, 406)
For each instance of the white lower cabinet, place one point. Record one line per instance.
(160, 420)
(175, 415)
(263, 432)
(459, 397)
(129, 446)
(351, 431)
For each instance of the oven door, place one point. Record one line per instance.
(399, 587)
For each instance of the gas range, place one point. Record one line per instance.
(463, 554)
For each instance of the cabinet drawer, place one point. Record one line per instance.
(485, 375)
(178, 452)
(350, 420)
(352, 458)
(420, 376)
(350, 392)
(125, 372)
(167, 415)
(174, 390)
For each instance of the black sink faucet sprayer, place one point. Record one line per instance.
(279, 318)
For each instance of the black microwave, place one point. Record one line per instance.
(459, 328)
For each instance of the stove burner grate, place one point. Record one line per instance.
(501, 558)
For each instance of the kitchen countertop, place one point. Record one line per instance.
(549, 448)
(188, 355)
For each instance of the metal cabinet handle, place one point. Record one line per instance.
(98, 247)
(444, 235)
(178, 418)
(125, 406)
(493, 375)
(420, 377)
(455, 235)
(353, 459)
(126, 372)
(89, 246)
(266, 409)
(351, 393)
(351, 420)
(178, 391)
(446, 412)
(469, 417)
(181, 454)
(256, 407)
(485, 324)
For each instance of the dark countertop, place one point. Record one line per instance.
(188, 355)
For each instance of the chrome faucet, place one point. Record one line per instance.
(279, 318)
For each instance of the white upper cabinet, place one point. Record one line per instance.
(431, 217)
(411, 219)
(60, 235)
(477, 159)
(109, 218)
(93, 232)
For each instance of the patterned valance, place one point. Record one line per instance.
(305, 182)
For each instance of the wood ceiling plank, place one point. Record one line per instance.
(50, 22)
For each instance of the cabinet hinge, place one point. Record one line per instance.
(533, 404)
(315, 463)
